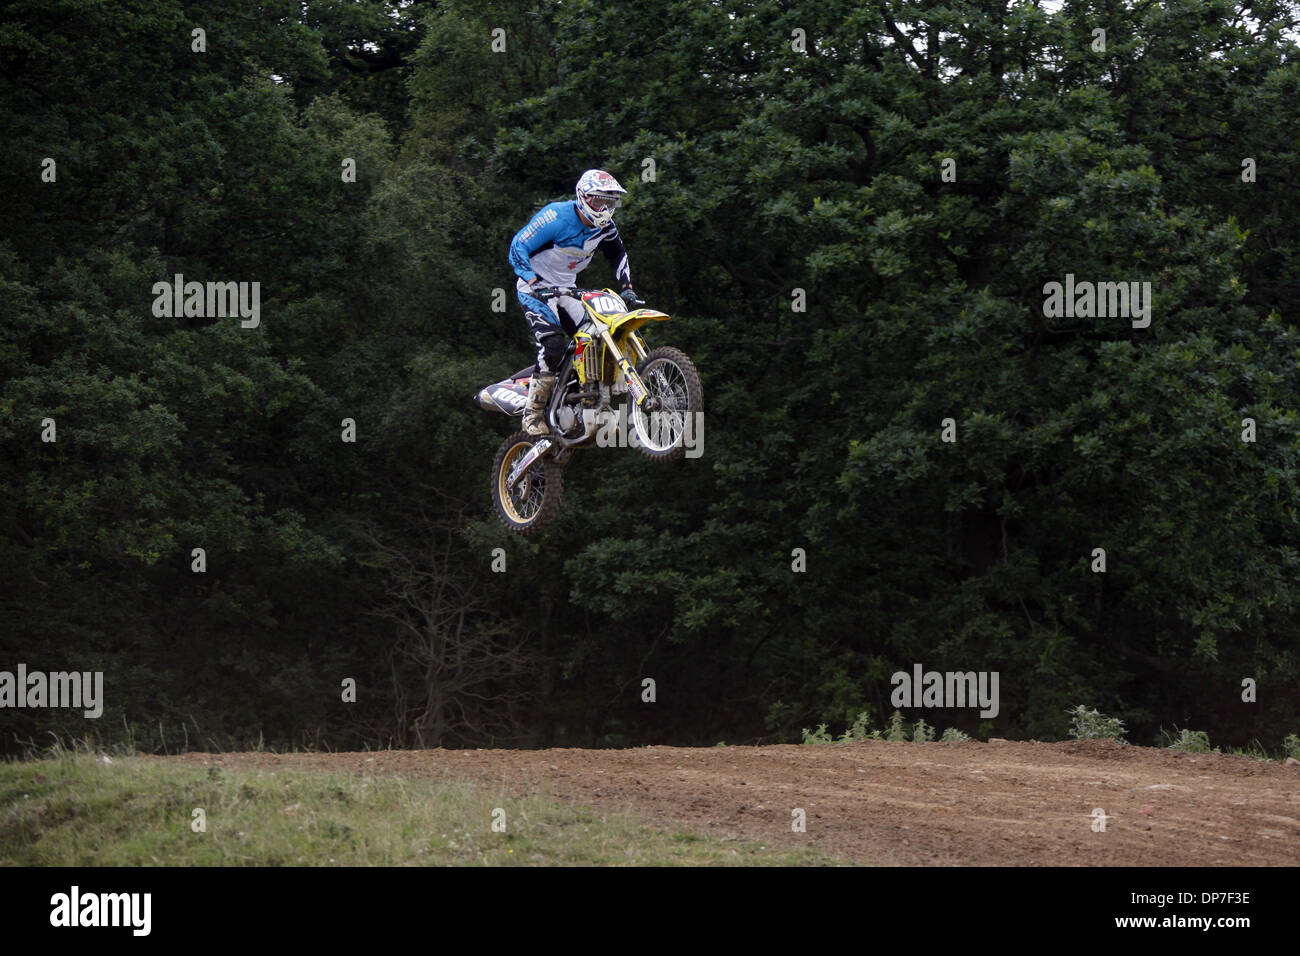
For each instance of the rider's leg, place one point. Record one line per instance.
(551, 341)
(550, 353)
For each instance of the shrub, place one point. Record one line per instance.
(1192, 741)
(820, 736)
(1091, 725)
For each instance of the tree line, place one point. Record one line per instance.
(851, 211)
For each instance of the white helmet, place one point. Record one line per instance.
(599, 194)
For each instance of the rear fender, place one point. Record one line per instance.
(508, 396)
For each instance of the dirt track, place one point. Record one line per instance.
(904, 803)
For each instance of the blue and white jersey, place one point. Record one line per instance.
(557, 245)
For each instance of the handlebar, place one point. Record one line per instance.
(545, 292)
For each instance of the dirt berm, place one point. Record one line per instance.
(997, 803)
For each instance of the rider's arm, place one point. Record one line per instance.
(534, 237)
(613, 249)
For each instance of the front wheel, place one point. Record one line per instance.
(678, 414)
(532, 503)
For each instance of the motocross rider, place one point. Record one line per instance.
(550, 251)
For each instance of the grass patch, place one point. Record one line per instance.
(78, 810)
(1189, 741)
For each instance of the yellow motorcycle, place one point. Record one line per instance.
(609, 390)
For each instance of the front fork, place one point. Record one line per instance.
(640, 394)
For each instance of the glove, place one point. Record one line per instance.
(631, 298)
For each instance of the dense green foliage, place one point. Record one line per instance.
(776, 168)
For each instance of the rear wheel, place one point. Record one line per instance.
(534, 500)
(671, 379)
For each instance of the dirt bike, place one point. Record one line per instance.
(606, 361)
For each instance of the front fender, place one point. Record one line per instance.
(631, 321)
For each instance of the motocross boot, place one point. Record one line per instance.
(539, 394)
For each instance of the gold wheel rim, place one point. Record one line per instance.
(525, 485)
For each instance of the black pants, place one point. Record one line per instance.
(551, 325)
